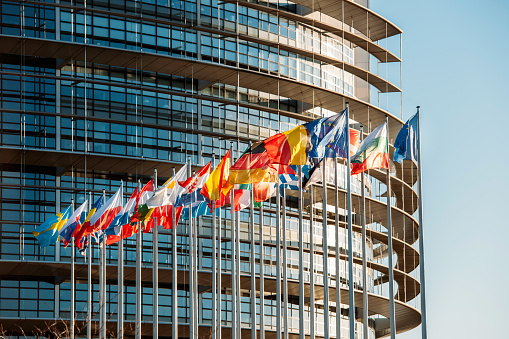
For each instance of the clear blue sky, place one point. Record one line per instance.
(454, 56)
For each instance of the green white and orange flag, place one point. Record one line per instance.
(373, 151)
(288, 148)
(218, 180)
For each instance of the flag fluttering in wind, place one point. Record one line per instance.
(120, 226)
(47, 233)
(327, 137)
(74, 222)
(103, 217)
(254, 165)
(84, 229)
(218, 180)
(263, 190)
(373, 151)
(192, 199)
(288, 148)
(406, 141)
(355, 140)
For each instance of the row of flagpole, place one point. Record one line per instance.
(235, 276)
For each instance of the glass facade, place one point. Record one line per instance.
(72, 127)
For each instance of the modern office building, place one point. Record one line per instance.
(95, 92)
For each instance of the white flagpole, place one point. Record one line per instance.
(312, 310)
(89, 278)
(120, 284)
(301, 261)
(239, 321)
(392, 319)
(214, 263)
(351, 300)
(139, 239)
(338, 266)
(192, 319)
(233, 249)
(174, 292)
(262, 276)
(285, 268)
(325, 255)
(253, 265)
(278, 261)
(102, 283)
(73, 286)
(364, 254)
(421, 239)
(155, 273)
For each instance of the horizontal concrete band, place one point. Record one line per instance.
(407, 317)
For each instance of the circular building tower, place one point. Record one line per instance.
(99, 92)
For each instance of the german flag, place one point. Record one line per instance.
(254, 165)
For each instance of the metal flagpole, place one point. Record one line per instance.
(325, 255)
(312, 311)
(120, 284)
(192, 318)
(219, 289)
(174, 292)
(89, 278)
(285, 268)
(301, 261)
(233, 248)
(102, 283)
(155, 272)
(421, 240)
(139, 239)
(237, 262)
(73, 286)
(389, 235)
(262, 276)
(351, 301)
(214, 263)
(278, 261)
(338, 266)
(364, 254)
(253, 265)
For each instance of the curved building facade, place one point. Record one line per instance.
(102, 91)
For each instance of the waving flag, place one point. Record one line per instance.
(406, 141)
(197, 180)
(288, 148)
(263, 190)
(74, 222)
(103, 217)
(218, 180)
(192, 199)
(47, 233)
(120, 225)
(161, 204)
(373, 151)
(327, 137)
(84, 228)
(355, 137)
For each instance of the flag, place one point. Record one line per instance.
(241, 197)
(288, 148)
(73, 223)
(83, 229)
(355, 137)
(140, 209)
(289, 181)
(47, 233)
(263, 190)
(327, 137)
(254, 165)
(218, 180)
(373, 151)
(160, 205)
(121, 223)
(103, 217)
(406, 141)
(197, 180)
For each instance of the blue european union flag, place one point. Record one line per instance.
(328, 137)
(406, 141)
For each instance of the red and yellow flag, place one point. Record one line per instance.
(218, 180)
(288, 148)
